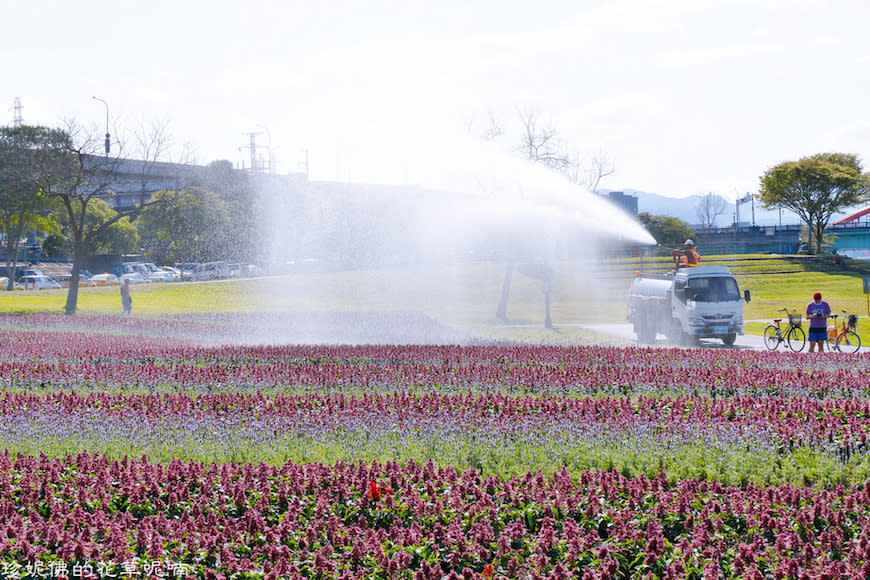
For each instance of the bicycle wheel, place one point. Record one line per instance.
(848, 342)
(797, 338)
(772, 338)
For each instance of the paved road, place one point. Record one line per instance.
(626, 331)
(746, 341)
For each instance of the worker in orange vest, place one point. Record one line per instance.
(687, 257)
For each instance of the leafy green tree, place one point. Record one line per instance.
(667, 230)
(121, 237)
(242, 236)
(189, 225)
(71, 169)
(22, 202)
(815, 188)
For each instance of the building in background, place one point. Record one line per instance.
(623, 200)
(851, 234)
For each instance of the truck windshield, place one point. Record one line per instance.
(712, 289)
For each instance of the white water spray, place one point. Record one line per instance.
(428, 226)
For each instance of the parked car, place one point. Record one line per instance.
(245, 270)
(84, 281)
(186, 269)
(211, 271)
(31, 272)
(4, 283)
(105, 279)
(136, 278)
(162, 276)
(172, 269)
(38, 283)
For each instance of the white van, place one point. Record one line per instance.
(211, 271)
(38, 283)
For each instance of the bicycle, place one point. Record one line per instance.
(845, 339)
(794, 335)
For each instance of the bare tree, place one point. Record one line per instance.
(494, 130)
(709, 208)
(151, 146)
(599, 167)
(540, 143)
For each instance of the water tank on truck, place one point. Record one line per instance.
(649, 305)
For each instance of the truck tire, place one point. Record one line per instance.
(675, 332)
(646, 328)
(729, 339)
(646, 333)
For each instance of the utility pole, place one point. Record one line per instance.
(268, 164)
(17, 120)
(749, 195)
(252, 147)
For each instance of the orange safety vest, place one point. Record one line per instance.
(690, 258)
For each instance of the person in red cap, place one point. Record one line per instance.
(818, 312)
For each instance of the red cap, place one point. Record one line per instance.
(817, 296)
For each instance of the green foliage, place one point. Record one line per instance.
(206, 220)
(667, 230)
(186, 225)
(815, 188)
(22, 201)
(120, 237)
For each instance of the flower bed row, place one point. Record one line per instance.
(356, 520)
(187, 368)
(739, 440)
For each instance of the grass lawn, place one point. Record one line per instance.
(467, 295)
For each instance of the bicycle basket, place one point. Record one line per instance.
(853, 322)
(794, 319)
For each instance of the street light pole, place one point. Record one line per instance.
(108, 137)
(269, 139)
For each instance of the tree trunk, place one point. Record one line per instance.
(72, 295)
(501, 312)
(819, 240)
(548, 294)
(12, 250)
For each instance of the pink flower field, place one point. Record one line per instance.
(160, 448)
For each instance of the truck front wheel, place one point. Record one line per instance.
(728, 339)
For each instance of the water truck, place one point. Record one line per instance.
(686, 305)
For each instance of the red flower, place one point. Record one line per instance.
(488, 571)
(374, 491)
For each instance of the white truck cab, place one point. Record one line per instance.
(707, 303)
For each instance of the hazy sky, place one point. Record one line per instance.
(685, 96)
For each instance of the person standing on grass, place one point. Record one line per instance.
(126, 301)
(818, 312)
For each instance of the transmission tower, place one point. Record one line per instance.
(253, 149)
(17, 120)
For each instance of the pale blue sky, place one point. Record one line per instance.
(685, 96)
